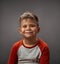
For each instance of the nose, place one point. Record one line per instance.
(28, 28)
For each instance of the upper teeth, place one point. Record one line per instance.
(28, 31)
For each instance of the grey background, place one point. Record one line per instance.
(49, 13)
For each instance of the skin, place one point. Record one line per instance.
(29, 30)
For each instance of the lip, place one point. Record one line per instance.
(28, 31)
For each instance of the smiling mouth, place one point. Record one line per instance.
(28, 31)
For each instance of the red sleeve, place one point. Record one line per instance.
(45, 56)
(13, 56)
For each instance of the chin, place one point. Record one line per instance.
(28, 37)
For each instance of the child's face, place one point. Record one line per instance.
(29, 28)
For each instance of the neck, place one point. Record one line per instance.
(30, 41)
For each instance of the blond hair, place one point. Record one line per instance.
(30, 15)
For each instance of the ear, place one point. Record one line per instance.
(19, 30)
(38, 29)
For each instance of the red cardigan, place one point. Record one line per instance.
(44, 59)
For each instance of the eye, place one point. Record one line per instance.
(32, 25)
(24, 26)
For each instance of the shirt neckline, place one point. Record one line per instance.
(31, 46)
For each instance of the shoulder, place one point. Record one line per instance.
(42, 44)
(17, 44)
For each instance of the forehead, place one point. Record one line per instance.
(28, 21)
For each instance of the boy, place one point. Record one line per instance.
(31, 49)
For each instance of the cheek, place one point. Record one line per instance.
(21, 30)
(35, 29)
